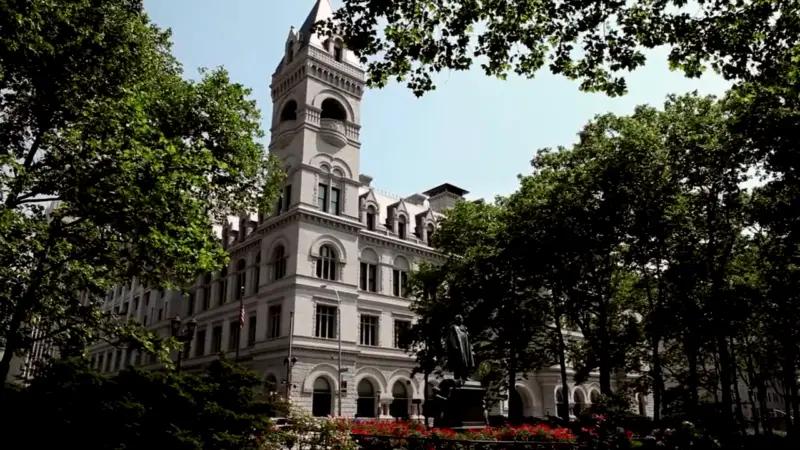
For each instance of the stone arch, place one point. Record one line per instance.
(333, 241)
(321, 370)
(278, 241)
(287, 103)
(593, 392)
(374, 376)
(271, 380)
(404, 376)
(578, 398)
(528, 400)
(368, 254)
(330, 93)
(328, 164)
(401, 262)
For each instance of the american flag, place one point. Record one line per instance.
(241, 317)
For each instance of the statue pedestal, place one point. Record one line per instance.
(464, 407)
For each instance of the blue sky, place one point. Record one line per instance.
(475, 132)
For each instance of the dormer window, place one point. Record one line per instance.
(337, 52)
(371, 218)
(401, 227)
(429, 234)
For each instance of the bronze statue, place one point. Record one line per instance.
(459, 350)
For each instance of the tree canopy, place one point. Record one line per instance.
(216, 409)
(113, 166)
(592, 42)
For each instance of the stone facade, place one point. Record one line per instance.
(334, 249)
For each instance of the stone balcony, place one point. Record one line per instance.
(333, 132)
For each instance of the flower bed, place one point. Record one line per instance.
(523, 433)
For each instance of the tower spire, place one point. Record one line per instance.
(322, 10)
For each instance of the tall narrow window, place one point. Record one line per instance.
(189, 304)
(401, 227)
(274, 323)
(429, 232)
(241, 278)
(335, 201)
(233, 336)
(279, 262)
(369, 276)
(216, 339)
(257, 272)
(287, 197)
(399, 283)
(371, 218)
(322, 197)
(222, 286)
(326, 263)
(251, 330)
(206, 291)
(338, 52)
(369, 330)
(400, 329)
(200, 343)
(326, 322)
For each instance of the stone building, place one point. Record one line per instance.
(334, 249)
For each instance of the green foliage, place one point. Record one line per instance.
(594, 43)
(136, 161)
(216, 409)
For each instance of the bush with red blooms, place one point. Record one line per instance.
(525, 433)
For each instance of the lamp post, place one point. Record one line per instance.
(184, 336)
(339, 332)
(290, 360)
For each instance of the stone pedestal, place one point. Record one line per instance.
(463, 408)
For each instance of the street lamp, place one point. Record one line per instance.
(339, 332)
(184, 336)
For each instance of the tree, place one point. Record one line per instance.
(135, 161)
(217, 409)
(589, 42)
(480, 280)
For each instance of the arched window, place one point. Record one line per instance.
(241, 278)
(338, 51)
(332, 109)
(429, 234)
(559, 401)
(222, 286)
(289, 111)
(279, 262)
(399, 408)
(322, 400)
(371, 217)
(326, 263)
(577, 400)
(400, 277)
(257, 272)
(368, 271)
(366, 403)
(594, 397)
(402, 225)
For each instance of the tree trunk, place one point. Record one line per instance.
(694, 382)
(658, 379)
(725, 380)
(562, 363)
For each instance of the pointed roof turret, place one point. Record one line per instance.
(322, 10)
